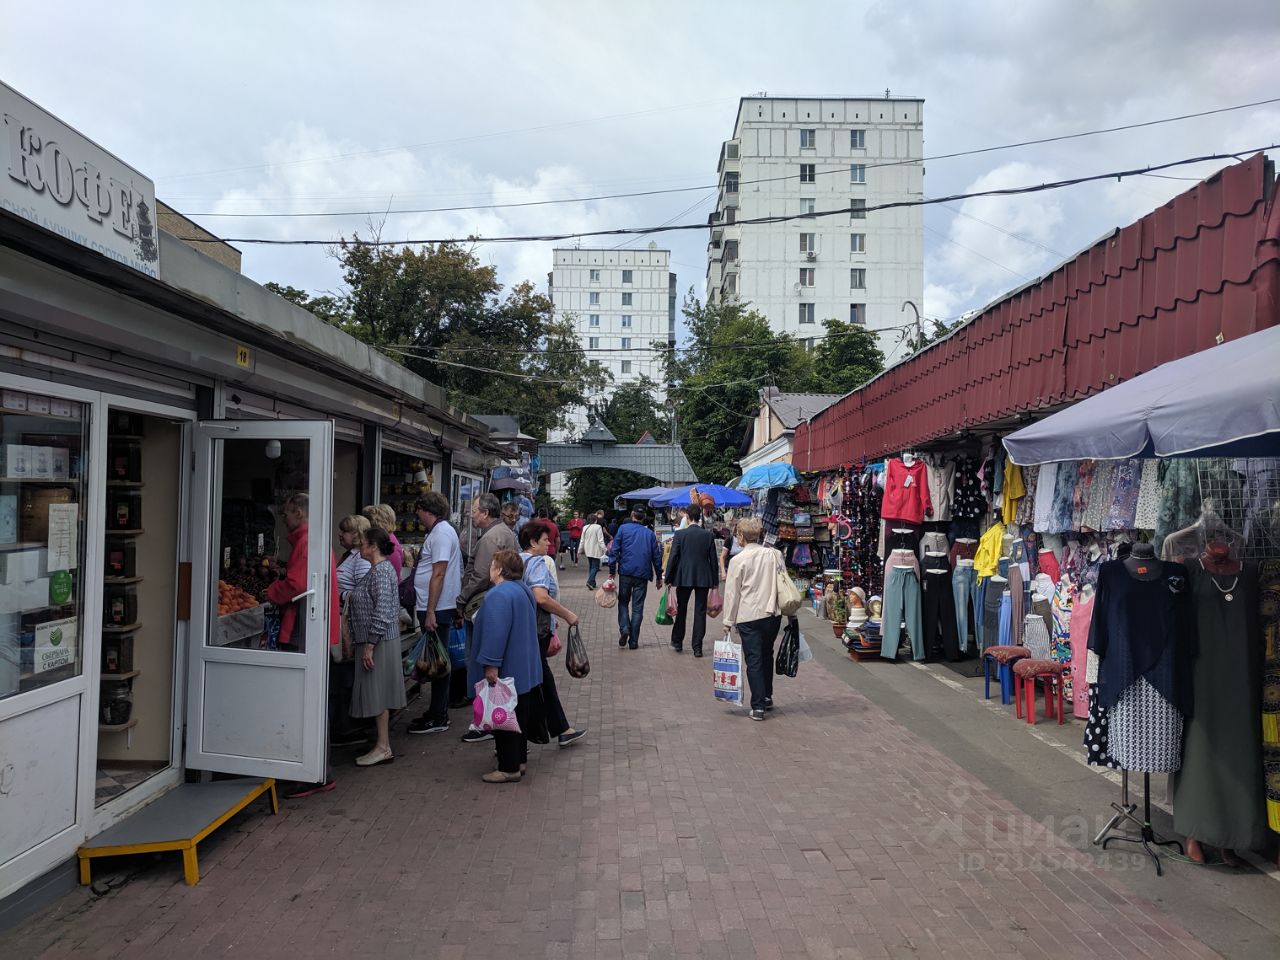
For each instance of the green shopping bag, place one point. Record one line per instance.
(662, 618)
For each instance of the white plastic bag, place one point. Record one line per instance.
(494, 707)
(805, 653)
(726, 669)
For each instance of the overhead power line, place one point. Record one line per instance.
(715, 186)
(780, 218)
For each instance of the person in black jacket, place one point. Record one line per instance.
(693, 569)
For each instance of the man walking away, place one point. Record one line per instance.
(593, 546)
(437, 582)
(635, 555)
(692, 569)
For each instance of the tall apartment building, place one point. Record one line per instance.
(623, 305)
(804, 156)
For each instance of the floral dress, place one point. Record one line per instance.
(1148, 508)
(1126, 484)
(1061, 649)
(1095, 512)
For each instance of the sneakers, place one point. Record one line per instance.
(757, 714)
(622, 639)
(569, 739)
(476, 736)
(303, 790)
(497, 776)
(425, 724)
(677, 649)
(768, 703)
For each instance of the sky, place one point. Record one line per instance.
(320, 107)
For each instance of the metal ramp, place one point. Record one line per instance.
(179, 820)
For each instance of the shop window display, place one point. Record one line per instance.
(43, 444)
(404, 479)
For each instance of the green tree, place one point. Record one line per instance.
(716, 379)
(440, 312)
(847, 357)
(924, 335)
(628, 413)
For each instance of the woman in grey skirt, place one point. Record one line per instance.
(375, 627)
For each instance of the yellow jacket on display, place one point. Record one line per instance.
(987, 560)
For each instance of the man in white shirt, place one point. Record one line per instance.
(593, 546)
(437, 583)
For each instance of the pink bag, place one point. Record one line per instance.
(494, 707)
(715, 602)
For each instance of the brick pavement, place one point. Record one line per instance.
(678, 828)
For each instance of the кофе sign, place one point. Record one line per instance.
(52, 176)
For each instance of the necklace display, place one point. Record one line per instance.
(1228, 593)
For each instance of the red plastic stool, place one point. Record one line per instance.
(1049, 672)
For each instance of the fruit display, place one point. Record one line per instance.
(232, 599)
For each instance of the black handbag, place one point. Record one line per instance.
(787, 663)
(575, 655)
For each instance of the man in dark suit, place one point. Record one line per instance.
(693, 569)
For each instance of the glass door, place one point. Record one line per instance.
(260, 599)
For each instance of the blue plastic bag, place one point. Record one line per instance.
(415, 653)
(458, 646)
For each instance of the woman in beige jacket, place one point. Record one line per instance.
(751, 605)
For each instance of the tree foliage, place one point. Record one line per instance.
(925, 335)
(848, 357)
(630, 412)
(441, 313)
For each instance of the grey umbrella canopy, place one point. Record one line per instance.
(1224, 401)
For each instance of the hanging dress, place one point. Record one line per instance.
(1126, 481)
(1218, 796)
(1148, 507)
(1081, 616)
(1063, 612)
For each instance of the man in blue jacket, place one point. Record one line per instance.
(635, 556)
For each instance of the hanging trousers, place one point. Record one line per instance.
(964, 593)
(901, 601)
(1017, 600)
(939, 609)
(993, 590)
(1005, 629)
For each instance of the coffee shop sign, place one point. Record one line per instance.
(69, 185)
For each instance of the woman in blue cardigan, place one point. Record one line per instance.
(505, 644)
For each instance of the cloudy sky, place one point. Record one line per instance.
(317, 107)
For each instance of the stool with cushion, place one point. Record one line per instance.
(1001, 655)
(1026, 672)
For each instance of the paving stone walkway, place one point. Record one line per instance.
(678, 828)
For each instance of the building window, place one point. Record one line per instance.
(857, 243)
(806, 276)
(857, 139)
(593, 343)
(858, 314)
(857, 173)
(595, 320)
(808, 243)
(626, 343)
(808, 139)
(731, 250)
(626, 276)
(857, 209)
(595, 276)
(626, 319)
(626, 366)
(806, 313)
(730, 283)
(808, 205)
(593, 298)
(626, 299)
(730, 183)
(808, 343)
(730, 214)
(857, 278)
(808, 173)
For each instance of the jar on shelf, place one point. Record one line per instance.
(117, 702)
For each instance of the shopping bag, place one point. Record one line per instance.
(789, 598)
(458, 646)
(726, 669)
(715, 602)
(806, 654)
(673, 604)
(787, 663)
(494, 707)
(416, 652)
(575, 658)
(433, 664)
(607, 595)
(662, 618)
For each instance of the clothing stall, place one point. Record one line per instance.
(1182, 658)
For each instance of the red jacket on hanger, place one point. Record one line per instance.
(906, 492)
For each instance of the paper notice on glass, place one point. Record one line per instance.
(55, 644)
(63, 529)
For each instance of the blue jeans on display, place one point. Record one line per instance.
(901, 601)
(1006, 638)
(593, 570)
(964, 587)
(631, 593)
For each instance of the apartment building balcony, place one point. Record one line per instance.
(729, 161)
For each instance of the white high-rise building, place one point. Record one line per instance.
(799, 156)
(623, 304)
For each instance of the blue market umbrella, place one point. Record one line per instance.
(769, 475)
(722, 496)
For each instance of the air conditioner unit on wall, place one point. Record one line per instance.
(811, 255)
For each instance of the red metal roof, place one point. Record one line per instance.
(1204, 264)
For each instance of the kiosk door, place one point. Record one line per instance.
(260, 600)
